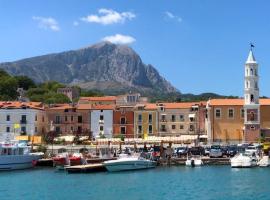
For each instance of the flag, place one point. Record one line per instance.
(16, 126)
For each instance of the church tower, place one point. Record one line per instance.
(252, 104)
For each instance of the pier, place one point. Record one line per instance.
(88, 168)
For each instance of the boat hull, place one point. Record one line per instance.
(129, 165)
(14, 162)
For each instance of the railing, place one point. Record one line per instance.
(23, 122)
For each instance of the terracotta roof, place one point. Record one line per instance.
(103, 107)
(150, 106)
(19, 105)
(105, 98)
(84, 106)
(61, 107)
(234, 102)
(179, 105)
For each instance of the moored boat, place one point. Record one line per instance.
(264, 162)
(194, 161)
(125, 163)
(243, 161)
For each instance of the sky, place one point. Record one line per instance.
(197, 45)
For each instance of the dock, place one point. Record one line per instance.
(88, 168)
(206, 161)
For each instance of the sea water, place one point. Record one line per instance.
(202, 183)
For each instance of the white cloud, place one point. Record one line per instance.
(75, 23)
(119, 39)
(109, 16)
(47, 23)
(172, 16)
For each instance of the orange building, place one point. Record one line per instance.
(123, 121)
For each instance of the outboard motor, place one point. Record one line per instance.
(192, 163)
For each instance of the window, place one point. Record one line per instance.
(43, 130)
(36, 129)
(8, 118)
(230, 113)
(7, 129)
(101, 117)
(66, 118)
(79, 129)
(101, 128)
(251, 98)
(251, 72)
(42, 118)
(191, 127)
(173, 127)
(242, 113)
(23, 129)
(139, 129)
(256, 85)
(23, 119)
(150, 117)
(71, 118)
(57, 119)
(150, 129)
(79, 119)
(123, 120)
(139, 118)
(123, 130)
(182, 118)
(218, 113)
(163, 118)
(57, 129)
(173, 118)
(163, 128)
(71, 128)
(181, 126)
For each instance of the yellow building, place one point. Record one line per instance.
(145, 120)
(225, 120)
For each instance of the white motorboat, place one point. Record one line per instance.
(264, 162)
(243, 161)
(125, 163)
(15, 155)
(194, 161)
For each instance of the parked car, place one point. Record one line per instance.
(232, 151)
(181, 151)
(207, 151)
(197, 150)
(216, 152)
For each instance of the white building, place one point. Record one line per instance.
(102, 121)
(22, 118)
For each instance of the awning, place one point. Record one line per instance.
(191, 115)
(203, 136)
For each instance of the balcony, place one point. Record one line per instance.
(101, 122)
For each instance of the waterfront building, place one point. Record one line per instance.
(176, 119)
(22, 118)
(102, 121)
(123, 121)
(145, 120)
(106, 100)
(130, 99)
(66, 119)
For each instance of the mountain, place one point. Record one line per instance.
(104, 66)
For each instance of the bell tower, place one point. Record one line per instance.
(252, 104)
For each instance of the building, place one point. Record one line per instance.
(102, 121)
(145, 120)
(66, 119)
(70, 92)
(130, 99)
(106, 100)
(123, 121)
(176, 119)
(22, 118)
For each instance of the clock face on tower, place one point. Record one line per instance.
(252, 115)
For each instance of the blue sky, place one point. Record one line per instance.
(199, 46)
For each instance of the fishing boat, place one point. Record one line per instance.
(63, 160)
(243, 161)
(194, 161)
(15, 155)
(126, 162)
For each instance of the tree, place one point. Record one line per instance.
(25, 82)
(8, 88)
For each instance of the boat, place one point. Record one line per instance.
(264, 162)
(126, 162)
(194, 161)
(243, 161)
(63, 160)
(15, 155)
